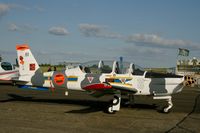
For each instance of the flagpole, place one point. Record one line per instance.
(183, 52)
(177, 62)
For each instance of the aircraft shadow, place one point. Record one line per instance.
(144, 106)
(91, 105)
(103, 107)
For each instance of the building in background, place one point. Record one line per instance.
(188, 66)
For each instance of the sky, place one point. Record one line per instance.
(146, 32)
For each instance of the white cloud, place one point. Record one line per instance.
(142, 51)
(59, 31)
(155, 40)
(21, 7)
(4, 8)
(23, 28)
(146, 40)
(92, 30)
(149, 56)
(13, 27)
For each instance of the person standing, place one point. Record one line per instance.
(49, 69)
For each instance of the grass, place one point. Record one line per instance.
(157, 70)
(58, 68)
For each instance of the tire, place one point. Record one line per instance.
(166, 111)
(115, 100)
(109, 110)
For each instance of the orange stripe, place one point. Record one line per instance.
(22, 47)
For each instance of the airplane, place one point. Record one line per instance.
(8, 72)
(99, 79)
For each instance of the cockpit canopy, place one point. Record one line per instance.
(137, 70)
(97, 67)
(6, 66)
(101, 66)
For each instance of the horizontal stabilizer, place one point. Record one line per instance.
(18, 81)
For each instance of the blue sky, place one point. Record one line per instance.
(146, 32)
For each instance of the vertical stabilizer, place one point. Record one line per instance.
(27, 63)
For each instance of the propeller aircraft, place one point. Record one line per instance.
(99, 79)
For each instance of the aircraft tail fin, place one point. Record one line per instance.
(28, 66)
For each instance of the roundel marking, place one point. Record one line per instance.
(59, 79)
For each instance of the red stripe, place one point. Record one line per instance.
(99, 86)
(5, 79)
(22, 47)
(4, 73)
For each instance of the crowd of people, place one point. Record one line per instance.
(50, 68)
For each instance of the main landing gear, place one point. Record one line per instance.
(169, 101)
(168, 108)
(131, 100)
(116, 101)
(115, 104)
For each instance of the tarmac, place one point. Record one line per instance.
(31, 111)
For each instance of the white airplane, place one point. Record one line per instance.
(99, 79)
(8, 72)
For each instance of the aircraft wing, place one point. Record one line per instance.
(123, 87)
(100, 89)
(22, 84)
(5, 81)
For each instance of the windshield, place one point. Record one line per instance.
(137, 70)
(123, 67)
(97, 67)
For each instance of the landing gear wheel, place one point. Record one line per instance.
(166, 110)
(115, 100)
(110, 110)
(114, 105)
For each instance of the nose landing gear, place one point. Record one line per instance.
(115, 104)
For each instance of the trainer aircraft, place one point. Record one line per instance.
(99, 79)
